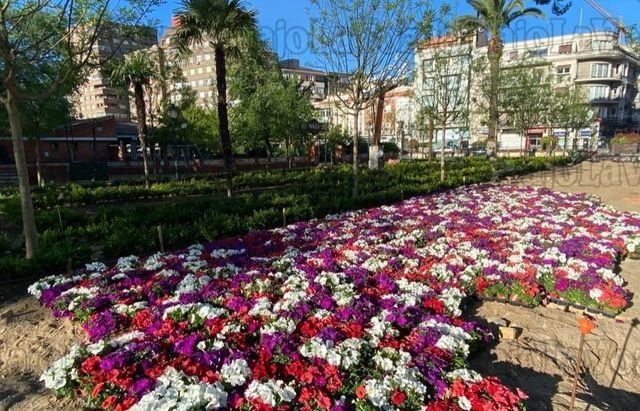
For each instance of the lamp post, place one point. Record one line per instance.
(173, 113)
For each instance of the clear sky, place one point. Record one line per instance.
(284, 22)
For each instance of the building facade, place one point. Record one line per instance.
(397, 118)
(96, 98)
(605, 70)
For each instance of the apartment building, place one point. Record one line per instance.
(606, 70)
(442, 84)
(396, 119)
(96, 98)
(198, 68)
(315, 80)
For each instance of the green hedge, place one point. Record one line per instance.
(108, 231)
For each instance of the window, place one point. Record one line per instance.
(565, 49)
(513, 55)
(599, 70)
(539, 52)
(598, 92)
(564, 70)
(602, 45)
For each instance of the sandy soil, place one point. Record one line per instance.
(541, 361)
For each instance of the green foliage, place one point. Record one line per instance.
(272, 111)
(526, 96)
(108, 231)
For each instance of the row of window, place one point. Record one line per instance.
(200, 70)
(605, 92)
(304, 77)
(568, 48)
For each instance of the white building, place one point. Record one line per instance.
(606, 70)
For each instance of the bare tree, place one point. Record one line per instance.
(370, 44)
(63, 34)
(572, 112)
(442, 88)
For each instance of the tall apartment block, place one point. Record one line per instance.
(96, 98)
(198, 69)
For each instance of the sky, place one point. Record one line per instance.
(285, 22)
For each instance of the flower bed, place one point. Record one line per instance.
(357, 311)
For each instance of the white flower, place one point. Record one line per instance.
(175, 391)
(62, 371)
(464, 403)
(236, 373)
(595, 293)
(271, 392)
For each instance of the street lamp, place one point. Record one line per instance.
(173, 113)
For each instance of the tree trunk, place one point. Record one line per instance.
(495, 54)
(268, 147)
(377, 133)
(141, 113)
(444, 140)
(223, 115)
(38, 165)
(288, 147)
(431, 131)
(26, 203)
(355, 153)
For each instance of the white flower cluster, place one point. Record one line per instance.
(379, 327)
(62, 371)
(633, 244)
(453, 338)
(223, 253)
(154, 262)
(129, 263)
(236, 373)
(344, 355)
(195, 311)
(95, 267)
(120, 341)
(271, 392)
(39, 286)
(190, 283)
(176, 392)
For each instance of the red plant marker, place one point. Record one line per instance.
(586, 324)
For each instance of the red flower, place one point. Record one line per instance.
(398, 398)
(110, 402)
(97, 389)
(126, 404)
(361, 392)
(91, 365)
(434, 305)
(142, 319)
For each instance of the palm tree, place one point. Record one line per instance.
(220, 23)
(136, 71)
(493, 16)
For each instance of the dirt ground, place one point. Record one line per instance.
(541, 361)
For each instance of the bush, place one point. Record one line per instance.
(108, 231)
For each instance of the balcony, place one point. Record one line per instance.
(605, 100)
(613, 53)
(614, 78)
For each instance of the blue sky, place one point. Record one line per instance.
(284, 22)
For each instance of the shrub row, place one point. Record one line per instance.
(78, 235)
